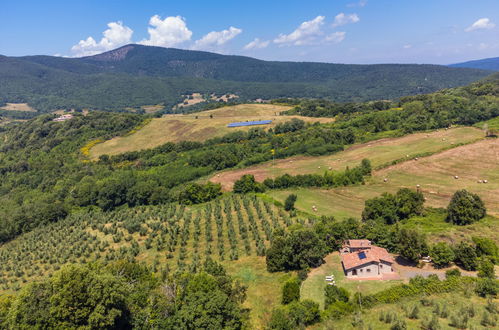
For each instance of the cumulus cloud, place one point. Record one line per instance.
(408, 46)
(257, 44)
(167, 32)
(482, 23)
(342, 19)
(336, 37)
(116, 35)
(216, 38)
(305, 34)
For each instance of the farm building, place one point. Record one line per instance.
(362, 259)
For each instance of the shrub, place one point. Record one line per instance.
(452, 272)
(290, 291)
(289, 204)
(333, 294)
(465, 208)
(486, 269)
(466, 255)
(247, 184)
(487, 287)
(442, 254)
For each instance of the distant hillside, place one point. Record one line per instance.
(135, 75)
(484, 64)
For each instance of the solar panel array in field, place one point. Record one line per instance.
(250, 123)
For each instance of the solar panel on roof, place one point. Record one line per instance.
(250, 123)
(362, 255)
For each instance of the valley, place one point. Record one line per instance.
(152, 212)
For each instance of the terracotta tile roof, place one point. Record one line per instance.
(364, 257)
(359, 243)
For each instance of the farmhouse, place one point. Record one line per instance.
(362, 259)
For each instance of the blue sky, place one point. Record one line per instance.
(356, 31)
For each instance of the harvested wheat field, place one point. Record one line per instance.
(436, 175)
(17, 107)
(378, 152)
(195, 127)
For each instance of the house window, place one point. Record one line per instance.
(361, 270)
(380, 266)
(368, 270)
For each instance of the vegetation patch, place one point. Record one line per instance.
(198, 126)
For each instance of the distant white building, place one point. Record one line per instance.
(362, 259)
(63, 117)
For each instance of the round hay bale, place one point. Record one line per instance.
(318, 167)
(456, 177)
(479, 181)
(385, 180)
(330, 168)
(485, 181)
(418, 186)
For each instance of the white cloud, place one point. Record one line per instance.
(336, 37)
(482, 23)
(257, 44)
(116, 35)
(361, 3)
(216, 38)
(168, 32)
(342, 19)
(408, 46)
(306, 33)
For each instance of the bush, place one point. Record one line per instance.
(452, 272)
(289, 204)
(442, 254)
(466, 255)
(487, 287)
(465, 208)
(247, 184)
(486, 269)
(390, 208)
(333, 294)
(291, 291)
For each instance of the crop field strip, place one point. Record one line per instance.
(168, 237)
(381, 153)
(196, 127)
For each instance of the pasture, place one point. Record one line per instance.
(198, 126)
(380, 152)
(435, 175)
(17, 107)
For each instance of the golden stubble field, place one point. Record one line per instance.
(195, 127)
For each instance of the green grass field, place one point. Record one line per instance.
(264, 288)
(313, 287)
(379, 152)
(195, 127)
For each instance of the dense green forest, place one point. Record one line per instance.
(135, 75)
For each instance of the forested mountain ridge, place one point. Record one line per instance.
(482, 64)
(135, 75)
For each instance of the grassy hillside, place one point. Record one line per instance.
(435, 175)
(379, 152)
(200, 126)
(134, 76)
